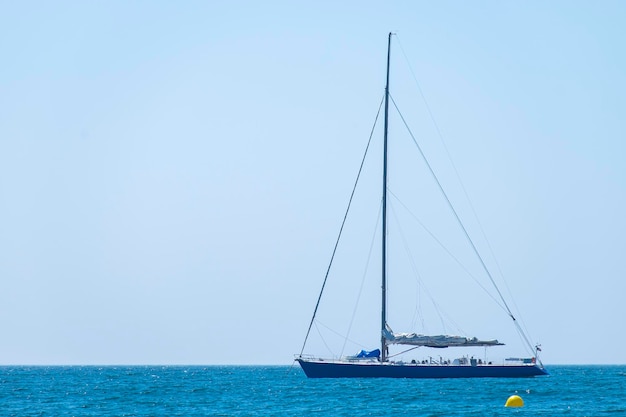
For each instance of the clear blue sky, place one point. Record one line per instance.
(173, 174)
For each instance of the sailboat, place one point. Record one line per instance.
(378, 364)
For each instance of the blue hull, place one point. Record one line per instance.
(323, 369)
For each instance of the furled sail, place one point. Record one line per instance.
(437, 341)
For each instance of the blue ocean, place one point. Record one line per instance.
(283, 390)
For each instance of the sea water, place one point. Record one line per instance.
(281, 390)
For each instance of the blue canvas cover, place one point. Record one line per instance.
(368, 354)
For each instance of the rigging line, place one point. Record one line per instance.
(343, 223)
(448, 252)
(418, 314)
(358, 298)
(404, 351)
(458, 177)
(524, 337)
(443, 315)
(469, 239)
(337, 334)
(324, 340)
(445, 147)
(414, 266)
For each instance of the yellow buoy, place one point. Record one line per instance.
(514, 401)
